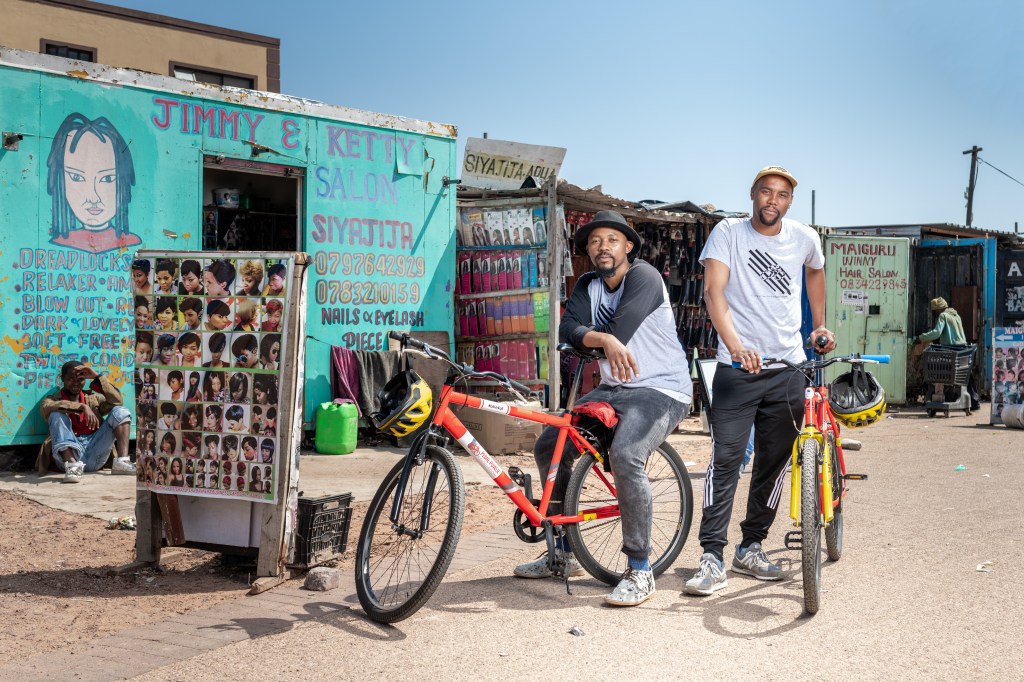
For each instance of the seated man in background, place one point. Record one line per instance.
(85, 424)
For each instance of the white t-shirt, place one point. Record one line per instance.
(765, 283)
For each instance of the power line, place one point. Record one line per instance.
(1001, 171)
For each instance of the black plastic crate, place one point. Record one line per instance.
(948, 364)
(322, 530)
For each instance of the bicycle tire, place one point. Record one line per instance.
(598, 543)
(810, 525)
(834, 530)
(386, 561)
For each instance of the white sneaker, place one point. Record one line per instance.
(122, 466)
(73, 472)
(709, 578)
(539, 568)
(633, 589)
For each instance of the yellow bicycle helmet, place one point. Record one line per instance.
(405, 404)
(856, 398)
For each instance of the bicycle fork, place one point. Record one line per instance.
(824, 468)
(415, 457)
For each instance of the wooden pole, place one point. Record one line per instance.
(973, 151)
(274, 544)
(556, 245)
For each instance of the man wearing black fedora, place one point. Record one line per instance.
(622, 307)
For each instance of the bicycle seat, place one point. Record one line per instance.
(585, 353)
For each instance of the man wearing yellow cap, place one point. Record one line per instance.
(754, 277)
(949, 331)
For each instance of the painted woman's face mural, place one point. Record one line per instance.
(90, 182)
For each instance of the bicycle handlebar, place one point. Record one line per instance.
(821, 364)
(880, 359)
(465, 370)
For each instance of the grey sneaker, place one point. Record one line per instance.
(73, 472)
(539, 568)
(709, 578)
(633, 589)
(753, 561)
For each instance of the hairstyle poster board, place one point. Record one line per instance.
(209, 339)
(1007, 366)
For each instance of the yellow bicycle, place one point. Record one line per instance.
(818, 469)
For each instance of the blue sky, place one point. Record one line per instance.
(868, 103)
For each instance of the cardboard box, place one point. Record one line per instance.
(499, 433)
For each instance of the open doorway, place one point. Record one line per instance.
(251, 205)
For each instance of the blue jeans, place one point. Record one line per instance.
(749, 454)
(93, 449)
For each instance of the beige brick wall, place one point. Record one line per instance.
(129, 42)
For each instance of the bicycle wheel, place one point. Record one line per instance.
(834, 530)
(397, 572)
(598, 543)
(810, 524)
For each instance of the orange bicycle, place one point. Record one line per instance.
(413, 523)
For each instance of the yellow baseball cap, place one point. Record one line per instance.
(774, 170)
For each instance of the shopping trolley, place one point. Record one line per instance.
(947, 370)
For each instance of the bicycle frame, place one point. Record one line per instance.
(445, 420)
(818, 423)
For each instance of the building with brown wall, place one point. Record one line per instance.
(97, 32)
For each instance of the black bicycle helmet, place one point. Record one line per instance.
(856, 397)
(405, 404)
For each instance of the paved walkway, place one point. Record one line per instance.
(130, 653)
(103, 495)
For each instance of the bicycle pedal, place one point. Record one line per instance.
(855, 477)
(794, 539)
(523, 480)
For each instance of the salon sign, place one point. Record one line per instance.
(111, 161)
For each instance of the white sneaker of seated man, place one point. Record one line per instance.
(122, 466)
(73, 471)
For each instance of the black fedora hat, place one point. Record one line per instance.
(614, 220)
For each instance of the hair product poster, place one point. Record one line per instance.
(208, 348)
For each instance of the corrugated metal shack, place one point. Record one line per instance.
(959, 264)
(673, 234)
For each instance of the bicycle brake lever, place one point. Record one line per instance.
(517, 394)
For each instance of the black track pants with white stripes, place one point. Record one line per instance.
(771, 401)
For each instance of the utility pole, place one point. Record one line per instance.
(973, 151)
(813, 221)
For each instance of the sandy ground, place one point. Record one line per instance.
(56, 575)
(56, 568)
(56, 587)
(929, 588)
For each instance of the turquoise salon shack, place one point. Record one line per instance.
(161, 163)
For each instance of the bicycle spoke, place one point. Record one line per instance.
(397, 566)
(598, 543)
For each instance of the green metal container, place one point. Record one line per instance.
(337, 428)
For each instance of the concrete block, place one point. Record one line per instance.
(323, 579)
